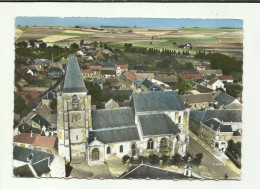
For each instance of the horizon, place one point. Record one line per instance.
(169, 23)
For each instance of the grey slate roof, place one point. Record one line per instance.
(115, 135)
(42, 62)
(157, 101)
(212, 81)
(40, 120)
(223, 99)
(157, 124)
(40, 160)
(20, 154)
(216, 125)
(50, 95)
(146, 171)
(23, 171)
(222, 115)
(111, 118)
(151, 86)
(73, 81)
(197, 98)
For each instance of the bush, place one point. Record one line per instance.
(187, 157)
(164, 158)
(125, 158)
(176, 160)
(154, 159)
(19, 103)
(197, 160)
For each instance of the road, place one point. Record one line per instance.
(211, 161)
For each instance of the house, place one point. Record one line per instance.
(111, 104)
(108, 73)
(185, 46)
(55, 73)
(201, 67)
(36, 141)
(197, 101)
(129, 77)
(144, 171)
(29, 95)
(215, 84)
(98, 81)
(36, 163)
(33, 71)
(169, 78)
(191, 76)
(216, 127)
(97, 135)
(203, 89)
(144, 75)
(86, 73)
(162, 85)
(226, 78)
(95, 70)
(138, 85)
(223, 101)
(147, 85)
(49, 97)
(123, 67)
(211, 72)
(38, 122)
(41, 64)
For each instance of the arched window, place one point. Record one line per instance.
(179, 121)
(75, 102)
(163, 145)
(121, 149)
(108, 150)
(150, 144)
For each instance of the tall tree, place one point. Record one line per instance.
(183, 86)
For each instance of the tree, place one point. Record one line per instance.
(43, 45)
(32, 44)
(176, 160)
(95, 91)
(165, 63)
(74, 46)
(19, 103)
(197, 160)
(53, 104)
(164, 158)
(125, 158)
(154, 159)
(183, 85)
(24, 44)
(81, 42)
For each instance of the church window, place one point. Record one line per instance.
(108, 150)
(75, 102)
(121, 148)
(163, 145)
(150, 144)
(179, 119)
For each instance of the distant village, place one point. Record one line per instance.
(92, 116)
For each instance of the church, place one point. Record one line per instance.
(155, 123)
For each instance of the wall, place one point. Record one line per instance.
(57, 167)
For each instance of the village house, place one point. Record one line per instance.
(197, 101)
(41, 124)
(170, 78)
(29, 95)
(108, 73)
(201, 67)
(215, 84)
(49, 97)
(162, 85)
(36, 141)
(96, 70)
(41, 64)
(203, 89)
(148, 85)
(130, 78)
(191, 76)
(33, 71)
(86, 73)
(226, 78)
(211, 72)
(111, 104)
(55, 73)
(225, 101)
(216, 127)
(36, 163)
(48, 114)
(144, 75)
(137, 85)
(123, 67)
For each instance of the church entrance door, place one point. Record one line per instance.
(133, 150)
(95, 154)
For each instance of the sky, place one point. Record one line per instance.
(129, 22)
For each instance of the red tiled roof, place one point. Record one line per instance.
(191, 76)
(48, 141)
(201, 66)
(122, 66)
(29, 95)
(36, 139)
(86, 71)
(24, 138)
(95, 68)
(42, 73)
(130, 76)
(226, 77)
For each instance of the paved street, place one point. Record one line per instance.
(211, 161)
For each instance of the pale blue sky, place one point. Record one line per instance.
(130, 22)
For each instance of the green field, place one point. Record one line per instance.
(23, 28)
(212, 29)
